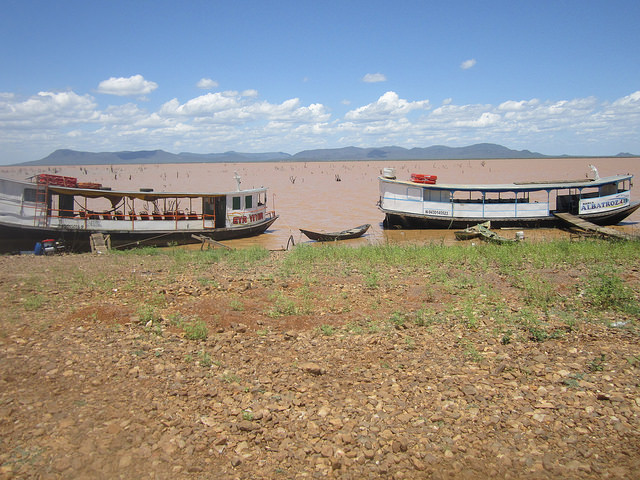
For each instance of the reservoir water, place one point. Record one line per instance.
(333, 196)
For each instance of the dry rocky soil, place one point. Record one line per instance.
(124, 366)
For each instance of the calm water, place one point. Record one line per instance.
(308, 194)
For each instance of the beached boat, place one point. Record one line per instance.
(483, 231)
(61, 208)
(333, 236)
(410, 204)
(471, 232)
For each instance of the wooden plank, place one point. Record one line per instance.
(100, 243)
(592, 227)
(210, 241)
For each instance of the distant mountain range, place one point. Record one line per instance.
(436, 152)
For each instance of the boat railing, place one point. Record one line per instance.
(490, 200)
(82, 216)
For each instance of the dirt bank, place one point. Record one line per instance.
(126, 366)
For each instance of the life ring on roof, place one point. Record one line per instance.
(426, 179)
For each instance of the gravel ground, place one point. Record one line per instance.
(91, 386)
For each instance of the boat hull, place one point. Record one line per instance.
(20, 238)
(394, 219)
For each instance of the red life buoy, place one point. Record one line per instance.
(426, 179)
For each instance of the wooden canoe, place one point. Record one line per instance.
(333, 236)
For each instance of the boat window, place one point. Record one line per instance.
(433, 195)
(236, 203)
(609, 189)
(30, 194)
(248, 201)
(500, 197)
(467, 197)
(593, 192)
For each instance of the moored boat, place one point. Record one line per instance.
(333, 236)
(409, 204)
(58, 207)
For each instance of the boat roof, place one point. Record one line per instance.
(148, 196)
(519, 186)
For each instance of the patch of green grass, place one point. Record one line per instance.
(538, 292)
(195, 329)
(230, 378)
(470, 351)
(573, 380)
(146, 314)
(327, 330)
(372, 279)
(607, 291)
(470, 313)
(248, 415)
(282, 305)
(204, 359)
(236, 305)
(208, 282)
(354, 328)
(597, 364)
(246, 257)
(397, 319)
(34, 302)
(424, 317)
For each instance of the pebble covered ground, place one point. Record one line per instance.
(90, 387)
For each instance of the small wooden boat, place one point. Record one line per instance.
(333, 236)
(472, 232)
(484, 232)
(492, 237)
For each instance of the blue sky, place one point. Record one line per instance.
(556, 77)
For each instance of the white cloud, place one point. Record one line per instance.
(629, 102)
(388, 105)
(203, 105)
(123, 87)
(519, 106)
(374, 78)
(33, 127)
(467, 64)
(207, 84)
(486, 119)
(48, 110)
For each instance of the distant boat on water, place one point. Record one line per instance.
(61, 208)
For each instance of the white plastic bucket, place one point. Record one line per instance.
(389, 172)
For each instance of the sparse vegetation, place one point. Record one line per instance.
(384, 345)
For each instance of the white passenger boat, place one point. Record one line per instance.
(422, 202)
(61, 208)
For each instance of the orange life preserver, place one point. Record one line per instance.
(426, 179)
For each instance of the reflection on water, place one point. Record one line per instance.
(308, 194)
